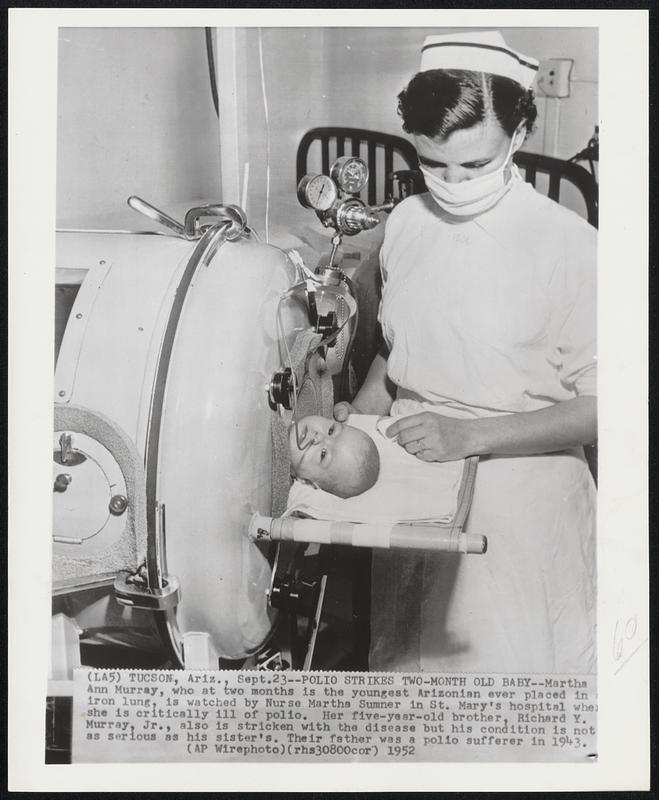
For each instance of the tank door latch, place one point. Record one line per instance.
(298, 594)
(231, 216)
(131, 589)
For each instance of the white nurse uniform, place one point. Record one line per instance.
(484, 316)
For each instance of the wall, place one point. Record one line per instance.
(135, 116)
(578, 113)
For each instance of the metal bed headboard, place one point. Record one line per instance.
(559, 170)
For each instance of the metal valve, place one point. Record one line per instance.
(62, 482)
(333, 198)
(118, 504)
(67, 455)
(66, 447)
(353, 216)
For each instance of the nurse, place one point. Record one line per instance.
(488, 318)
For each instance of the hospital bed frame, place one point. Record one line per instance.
(558, 171)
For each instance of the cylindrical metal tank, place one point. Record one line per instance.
(178, 359)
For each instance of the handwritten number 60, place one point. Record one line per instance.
(622, 634)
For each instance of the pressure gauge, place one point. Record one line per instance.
(317, 192)
(350, 173)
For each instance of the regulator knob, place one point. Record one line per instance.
(353, 217)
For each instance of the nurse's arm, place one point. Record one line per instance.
(433, 437)
(565, 424)
(377, 392)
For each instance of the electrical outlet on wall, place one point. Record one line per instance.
(553, 79)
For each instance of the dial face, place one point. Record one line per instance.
(317, 192)
(351, 173)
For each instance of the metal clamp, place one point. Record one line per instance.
(233, 215)
(281, 389)
(129, 592)
(295, 593)
(191, 229)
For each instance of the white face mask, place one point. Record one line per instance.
(471, 196)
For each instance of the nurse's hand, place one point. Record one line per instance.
(343, 410)
(433, 437)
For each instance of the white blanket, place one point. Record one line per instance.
(407, 489)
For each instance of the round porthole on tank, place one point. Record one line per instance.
(90, 500)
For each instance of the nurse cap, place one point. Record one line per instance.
(480, 51)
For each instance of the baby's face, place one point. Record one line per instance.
(331, 451)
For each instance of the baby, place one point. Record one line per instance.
(354, 471)
(333, 456)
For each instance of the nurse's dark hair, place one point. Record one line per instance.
(438, 102)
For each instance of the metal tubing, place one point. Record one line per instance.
(395, 535)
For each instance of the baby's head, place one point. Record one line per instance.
(334, 456)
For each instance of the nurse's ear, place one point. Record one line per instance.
(519, 137)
